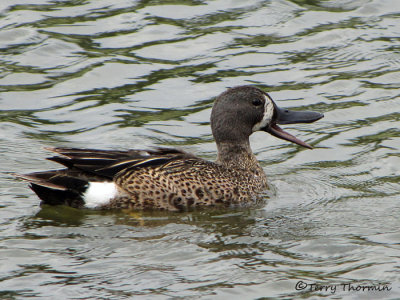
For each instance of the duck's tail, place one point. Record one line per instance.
(72, 188)
(55, 188)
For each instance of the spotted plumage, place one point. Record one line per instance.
(171, 179)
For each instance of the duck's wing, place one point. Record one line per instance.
(107, 163)
(65, 186)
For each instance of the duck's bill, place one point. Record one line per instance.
(285, 116)
(275, 130)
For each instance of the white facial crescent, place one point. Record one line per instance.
(267, 116)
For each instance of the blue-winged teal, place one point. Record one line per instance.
(171, 179)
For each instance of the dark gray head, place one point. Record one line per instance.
(242, 110)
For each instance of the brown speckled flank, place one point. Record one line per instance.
(185, 181)
(171, 179)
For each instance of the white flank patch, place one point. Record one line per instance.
(99, 193)
(267, 116)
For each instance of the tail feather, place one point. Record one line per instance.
(56, 188)
(57, 197)
(37, 179)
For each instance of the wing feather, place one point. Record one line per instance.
(107, 163)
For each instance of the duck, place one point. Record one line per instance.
(172, 179)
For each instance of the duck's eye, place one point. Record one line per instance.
(257, 102)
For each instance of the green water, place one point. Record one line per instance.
(139, 74)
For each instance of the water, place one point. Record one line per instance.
(138, 74)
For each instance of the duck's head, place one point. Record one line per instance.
(242, 110)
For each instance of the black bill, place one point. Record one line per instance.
(285, 116)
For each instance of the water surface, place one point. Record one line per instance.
(140, 74)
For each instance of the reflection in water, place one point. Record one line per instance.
(122, 74)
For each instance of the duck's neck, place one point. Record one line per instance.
(237, 156)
